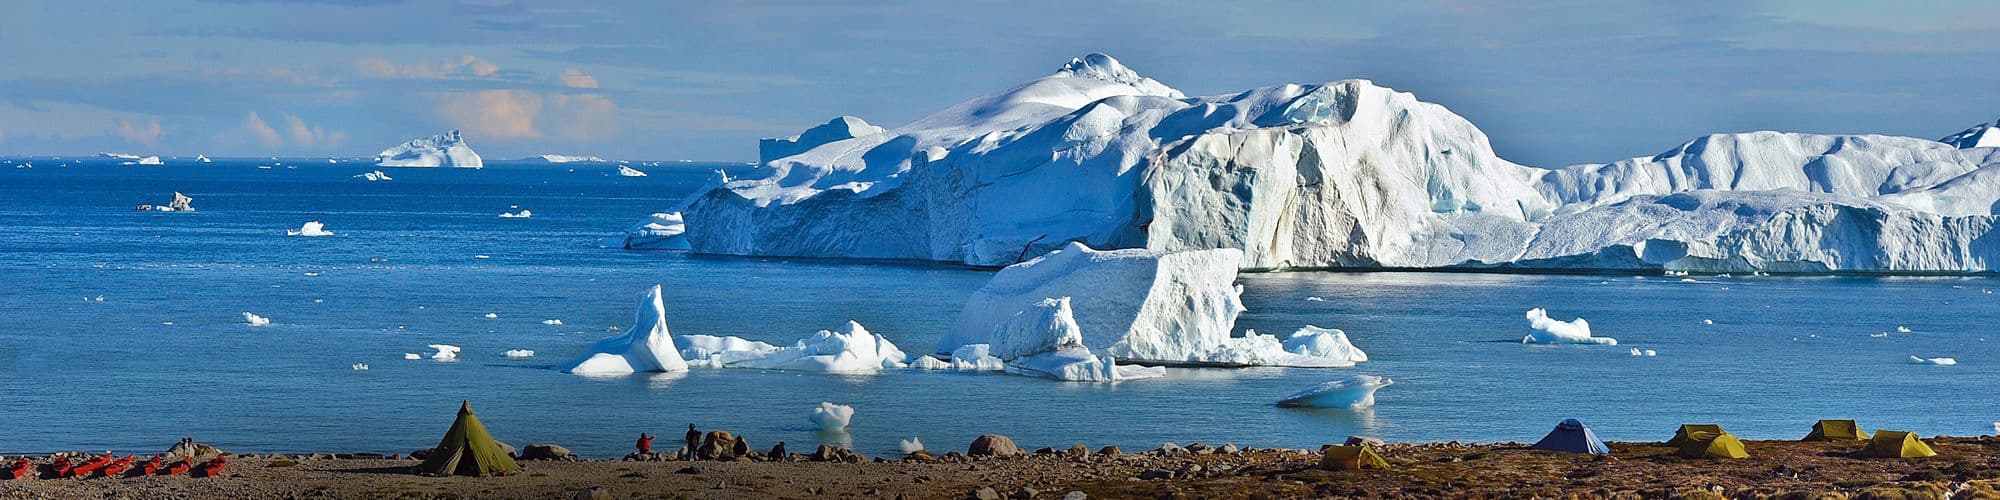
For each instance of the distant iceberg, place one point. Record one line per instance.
(310, 228)
(851, 349)
(1933, 361)
(444, 150)
(150, 160)
(662, 231)
(1548, 330)
(120, 156)
(202, 159)
(624, 171)
(566, 159)
(646, 347)
(254, 320)
(376, 176)
(181, 203)
(523, 214)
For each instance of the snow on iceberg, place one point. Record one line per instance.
(662, 231)
(624, 171)
(1344, 174)
(1983, 135)
(646, 347)
(310, 229)
(254, 320)
(1553, 331)
(839, 129)
(1352, 393)
(851, 349)
(443, 150)
(829, 417)
(119, 156)
(1134, 304)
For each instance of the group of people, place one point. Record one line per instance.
(645, 444)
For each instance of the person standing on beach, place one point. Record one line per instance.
(694, 439)
(645, 444)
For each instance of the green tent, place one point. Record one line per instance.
(1681, 435)
(1704, 444)
(1896, 444)
(1351, 458)
(1836, 430)
(467, 450)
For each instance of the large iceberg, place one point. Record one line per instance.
(646, 347)
(1344, 174)
(443, 150)
(851, 349)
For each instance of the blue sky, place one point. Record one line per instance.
(1551, 82)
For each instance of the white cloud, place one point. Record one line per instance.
(516, 114)
(576, 79)
(264, 133)
(582, 116)
(297, 133)
(145, 133)
(463, 67)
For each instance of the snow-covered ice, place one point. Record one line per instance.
(646, 347)
(1351, 393)
(1553, 331)
(518, 353)
(1045, 341)
(1933, 361)
(443, 150)
(310, 228)
(445, 352)
(839, 129)
(523, 214)
(851, 349)
(662, 231)
(254, 320)
(829, 417)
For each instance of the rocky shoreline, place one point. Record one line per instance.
(994, 467)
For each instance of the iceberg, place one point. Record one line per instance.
(445, 352)
(1324, 343)
(624, 171)
(412, 356)
(310, 228)
(523, 214)
(443, 150)
(120, 156)
(829, 417)
(646, 347)
(518, 353)
(1045, 341)
(911, 445)
(1553, 331)
(1352, 393)
(565, 159)
(376, 176)
(181, 203)
(1933, 361)
(255, 320)
(1342, 174)
(662, 231)
(851, 349)
(150, 160)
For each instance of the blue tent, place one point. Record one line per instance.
(1571, 436)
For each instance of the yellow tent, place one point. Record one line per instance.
(1896, 444)
(1704, 444)
(468, 450)
(1681, 435)
(1351, 458)
(1836, 430)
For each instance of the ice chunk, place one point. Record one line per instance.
(1708, 322)
(557, 322)
(360, 367)
(412, 356)
(1902, 329)
(202, 159)
(851, 349)
(375, 176)
(829, 417)
(1933, 361)
(492, 315)
(1551, 331)
(445, 352)
(1135, 304)
(310, 228)
(1324, 343)
(150, 160)
(518, 353)
(911, 445)
(255, 320)
(1352, 393)
(523, 214)
(1044, 341)
(663, 231)
(646, 347)
(1315, 299)
(444, 150)
(624, 171)
(976, 357)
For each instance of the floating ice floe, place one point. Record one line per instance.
(481, 257)
(646, 347)
(523, 214)
(1315, 299)
(1879, 335)
(1902, 329)
(181, 203)
(552, 322)
(1647, 353)
(1552, 331)
(1708, 322)
(518, 353)
(255, 320)
(445, 352)
(829, 417)
(851, 349)
(624, 171)
(360, 367)
(443, 150)
(376, 176)
(492, 315)
(310, 228)
(662, 231)
(1352, 393)
(412, 356)
(911, 445)
(1933, 361)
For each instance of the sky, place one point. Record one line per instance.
(1550, 82)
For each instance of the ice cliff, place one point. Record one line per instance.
(443, 150)
(1344, 174)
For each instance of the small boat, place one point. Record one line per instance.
(60, 467)
(117, 467)
(177, 468)
(211, 468)
(87, 468)
(152, 466)
(21, 468)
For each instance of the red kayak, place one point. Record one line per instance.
(86, 468)
(117, 467)
(212, 468)
(152, 466)
(60, 467)
(21, 468)
(179, 467)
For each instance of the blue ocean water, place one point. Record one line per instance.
(166, 353)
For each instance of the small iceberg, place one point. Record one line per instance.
(445, 352)
(181, 203)
(1315, 299)
(412, 356)
(1879, 335)
(202, 159)
(1902, 329)
(150, 160)
(310, 228)
(1352, 393)
(1324, 343)
(376, 176)
(254, 320)
(552, 322)
(1646, 353)
(624, 171)
(1552, 331)
(360, 367)
(851, 349)
(523, 214)
(911, 445)
(1933, 361)
(646, 347)
(492, 315)
(518, 353)
(829, 417)
(1045, 341)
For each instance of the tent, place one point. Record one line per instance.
(1681, 435)
(1705, 444)
(1572, 436)
(1351, 458)
(1836, 430)
(1896, 444)
(467, 450)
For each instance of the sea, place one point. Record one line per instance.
(124, 330)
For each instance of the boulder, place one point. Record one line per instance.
(717, 445)
(547, 451)
(1110, 451)
(1077, 451)
(992, 445)
(508, 448)
(1364, 440)
(187, 447)
(827, 453)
